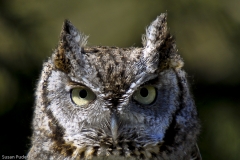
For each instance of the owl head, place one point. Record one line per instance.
(109, 102)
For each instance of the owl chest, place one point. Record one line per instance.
(112, 157)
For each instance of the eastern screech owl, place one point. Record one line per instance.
(115, 103)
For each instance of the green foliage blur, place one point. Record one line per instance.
(208, 38)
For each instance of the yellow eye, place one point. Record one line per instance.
(82, 96)
(145, 94)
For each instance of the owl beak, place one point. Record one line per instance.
(114, 127)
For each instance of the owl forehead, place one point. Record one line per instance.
(115, 68)
(113, 55)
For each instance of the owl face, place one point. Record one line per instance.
(115, 102)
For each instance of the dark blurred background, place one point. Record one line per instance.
(208, 38)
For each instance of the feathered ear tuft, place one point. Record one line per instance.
(160, 45)
(72, 36)
(71, 42)
(155, 34)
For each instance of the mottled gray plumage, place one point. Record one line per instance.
(115, 103)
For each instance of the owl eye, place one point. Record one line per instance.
(145, 94)
(82, 96)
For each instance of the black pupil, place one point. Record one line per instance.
(144, 92)
(83, 93)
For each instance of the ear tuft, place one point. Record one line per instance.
(60, 60)
(69, 43)
(156, 33)
(159, 44)
(66, 26)
(71, 34)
